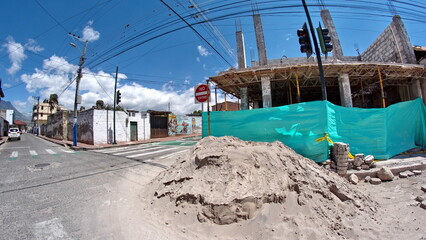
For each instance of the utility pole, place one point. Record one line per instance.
(317, 52)
(115, 101)
(77, 82)
(38, 107)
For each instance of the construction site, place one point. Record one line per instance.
(389, 71)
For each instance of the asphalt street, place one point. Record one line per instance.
(48, 191)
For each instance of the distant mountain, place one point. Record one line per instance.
(18, 115)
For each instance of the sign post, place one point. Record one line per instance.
(201, 95)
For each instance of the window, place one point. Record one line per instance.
(42, 108)
(41, 115)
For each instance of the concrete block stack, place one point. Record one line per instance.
(339, 154)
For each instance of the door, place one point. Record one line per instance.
(133, 131)
(159, 126)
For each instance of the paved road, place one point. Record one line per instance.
(50, 192)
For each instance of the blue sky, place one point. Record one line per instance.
(160, 59)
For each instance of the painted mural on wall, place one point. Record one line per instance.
(178, 125)
(196, 123)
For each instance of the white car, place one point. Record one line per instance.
(14, 133)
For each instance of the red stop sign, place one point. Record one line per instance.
(202, 93)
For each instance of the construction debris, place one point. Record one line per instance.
(226, 180)
(385, 174)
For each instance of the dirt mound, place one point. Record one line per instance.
(226, 180)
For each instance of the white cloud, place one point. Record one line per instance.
(89, 33)
(203, 51)
(20, 106)
(289, 36)
(168, 86)
(138, 97)
(7, 85)
(198, 59)
(32, 46)
(56, 74)
(16, 54)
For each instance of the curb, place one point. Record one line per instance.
(79, 148)
(395, 170)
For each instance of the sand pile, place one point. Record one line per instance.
(225, 180)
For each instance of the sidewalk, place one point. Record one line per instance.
(414, 159)
(83, 146)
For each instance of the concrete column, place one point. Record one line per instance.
(240, 50)
(417, 89)
(403, 41)
(256, 104)
(423, 85)
(345, 90)
(329, 24)
(266, 92)
(260, 40)
(244, 98)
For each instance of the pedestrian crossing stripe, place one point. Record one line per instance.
(120, 149)
(13, 156)
(68, 151)
(136, 150)
(148, 153)
(34, 154)
(51, 152)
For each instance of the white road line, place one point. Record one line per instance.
(14, 154)
(119, 149)
(33, 153)
(50, 151)
(133, 151)
(148, 153)
(172, 154)
(67, 151)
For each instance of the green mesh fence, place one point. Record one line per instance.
(309, 127)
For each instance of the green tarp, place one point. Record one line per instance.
(382, 132)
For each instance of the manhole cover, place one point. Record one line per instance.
(42, 165)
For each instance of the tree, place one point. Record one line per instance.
(100, 104)
(53, 101)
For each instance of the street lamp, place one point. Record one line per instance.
(38, 107)
(77, 82)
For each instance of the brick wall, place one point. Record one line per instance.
(392, 45)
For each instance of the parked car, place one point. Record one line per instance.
(14, 133)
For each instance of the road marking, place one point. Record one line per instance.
(172, 154)
(50, 229)
(133, 151)
(50, 151)
(34, 154)
(119, 149)
(14, 155)
(67, 151)
(148, 153)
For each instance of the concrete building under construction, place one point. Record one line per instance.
(390, 70)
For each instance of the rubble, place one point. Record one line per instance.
(367, 179)
(340, 159)
(423, 205)
(403, 175)
(385, 174)
(375, 181)
(226, 181)
(353, 179)
(420, 198)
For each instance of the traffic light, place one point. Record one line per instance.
(304, 40)
(324, 40)
(118, 96)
